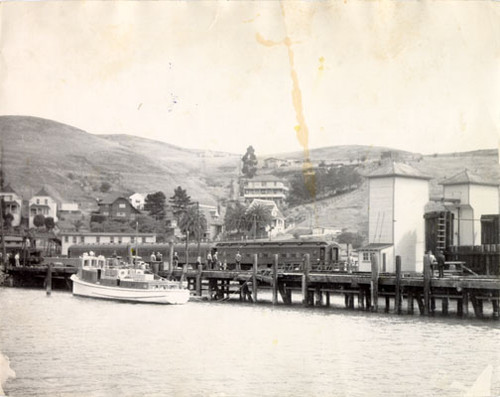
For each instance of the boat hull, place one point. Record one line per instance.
(168, 296)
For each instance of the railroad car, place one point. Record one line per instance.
(291, 252)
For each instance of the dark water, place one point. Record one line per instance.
(67, 346)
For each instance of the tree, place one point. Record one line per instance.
(49, 223)
(355, 239)
(249, 163)
(180, 201)
(258, 219)
(155, 205)
(78, 224)
(39, 220)
(194, 222)
(235, 218)
(105, 186)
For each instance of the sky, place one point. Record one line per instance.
(281, 76)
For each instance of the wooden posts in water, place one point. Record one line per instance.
(397, 297)
(374, 283)
(254, 277)
(427, 283)
(198, 279)
(48, 280)
(305, 280)
(275, 280)
(171, 259)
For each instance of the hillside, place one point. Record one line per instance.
(74, 163)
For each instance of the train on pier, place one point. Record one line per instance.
(291, 252)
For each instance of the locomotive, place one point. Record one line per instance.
(291, 252)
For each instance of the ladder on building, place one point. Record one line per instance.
(441, 232)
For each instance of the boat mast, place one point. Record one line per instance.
(2, 234)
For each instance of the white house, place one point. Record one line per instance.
(396, 226)
(137, 200)
(13, 204)
(42, 203)
(468, 197)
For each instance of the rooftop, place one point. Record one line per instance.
(397, 169)
(467, 177)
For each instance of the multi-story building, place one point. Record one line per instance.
(71, 238)
(42, 203)
(117, 207)
(215, 224)
(265, 187)
(13, 204)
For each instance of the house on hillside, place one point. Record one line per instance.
(278, 220)
(265, 187)
(137, 200)
(13, 204)
(215, 224)
(117, 206)
(42, 203)
(273, 162)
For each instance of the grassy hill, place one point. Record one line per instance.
(74, 163)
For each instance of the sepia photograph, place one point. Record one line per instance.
(249, 198)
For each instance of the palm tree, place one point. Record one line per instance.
(235, 218)
(258, 219)
(193, 223)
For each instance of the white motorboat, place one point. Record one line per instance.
(103, 278)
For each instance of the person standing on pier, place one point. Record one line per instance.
(440, 258)
(175, 259)
(153, 257)
(238, 261)
(215, 260)
(209, 260)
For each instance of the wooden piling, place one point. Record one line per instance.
(397, 297)
(48, 280)
(170, 259)
(444, 305)
(275, 280)
(155, 267)
(198, 280)
(410, 302)
(305, 280)
(254, 277)
(427, 284)
(374, 283)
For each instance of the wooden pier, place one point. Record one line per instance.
(399, 292)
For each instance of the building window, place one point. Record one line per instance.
(144, 239)
(74, 239)
(46, 201)
(119, 240)
(367, 256)
(121, 214)
(111, 239)
(121, 205)
(66, 239)
(132, 239)
(38, 201)
(98, 239)
(82, 239)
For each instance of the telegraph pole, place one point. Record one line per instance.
(198, 226)
(2, 234)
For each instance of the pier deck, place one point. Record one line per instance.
(397, 292)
